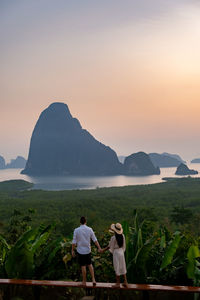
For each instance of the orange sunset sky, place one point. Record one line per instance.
(129, 71)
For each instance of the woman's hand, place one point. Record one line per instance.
(104, 249)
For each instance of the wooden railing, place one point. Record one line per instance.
(100, 285)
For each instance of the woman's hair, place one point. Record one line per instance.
(120, 239)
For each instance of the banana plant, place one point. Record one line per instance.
(34, 255)
(144, 246)
(170, 250)
(49, 263)
(4, 249)
(23, 252)
(193, 271)
(126, 231)
(138, 249)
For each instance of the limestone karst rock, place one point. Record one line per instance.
(17, 163)
(177, 156)
(139, 164)
(60, 146)
(195, 161)
(2, 162)
(184, 170)
(164, 160)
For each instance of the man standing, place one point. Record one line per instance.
(82, 237)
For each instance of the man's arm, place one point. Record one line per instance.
(98, 246)
(74, 243)
(93, 237)
(73, 247)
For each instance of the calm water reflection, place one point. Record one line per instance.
(89, 182)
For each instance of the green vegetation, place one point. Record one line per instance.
(15, 185)
(161, 225)
(175, 203)
(154, 255)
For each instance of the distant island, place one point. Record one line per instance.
(15, 185)
(139, 164)
(184, 170)
(195, 161)
(18, 163)
(60, 146)
(174, 156)
(165, 160)
(2, 162)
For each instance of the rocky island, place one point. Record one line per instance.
(184, 170)
(60, 146)
(195, 161)
(17, 163)
(139, 164)
(165, 160)
(2, 162)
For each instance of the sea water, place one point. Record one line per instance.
(90, 182)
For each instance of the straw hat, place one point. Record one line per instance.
(116, 228)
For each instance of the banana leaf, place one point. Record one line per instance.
(126, 232)
(125, 227)
(170, 251)
(20, 261)
(41, 239)
(163, 241)
(57, 247)
(136, 225)
(4, 249)
(192, 254)
(3, 242)
(143, 254)
(27, 237)
(139, 239)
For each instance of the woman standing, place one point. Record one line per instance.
(117, 247)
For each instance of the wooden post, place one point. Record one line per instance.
(145, 295)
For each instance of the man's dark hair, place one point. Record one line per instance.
(82, 220)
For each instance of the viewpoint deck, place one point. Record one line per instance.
(100, 285)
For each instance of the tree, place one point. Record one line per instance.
(18, 224)
(181, 215)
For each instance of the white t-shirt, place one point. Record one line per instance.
(82, 237)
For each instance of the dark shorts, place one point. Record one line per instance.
(84, 259)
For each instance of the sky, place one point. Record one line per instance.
(128, 70)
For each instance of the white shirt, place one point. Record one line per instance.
(82, 237)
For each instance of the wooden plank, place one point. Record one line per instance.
(104, 285)
(87, 298)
